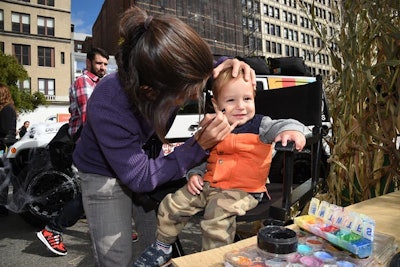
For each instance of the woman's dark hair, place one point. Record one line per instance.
(160, 60)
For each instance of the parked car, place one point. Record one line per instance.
(40, 188)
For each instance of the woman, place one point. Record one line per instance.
(8, 125)
(24, 128)
(162, 63)
(8, 118)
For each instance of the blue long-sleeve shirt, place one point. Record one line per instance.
(111, 143)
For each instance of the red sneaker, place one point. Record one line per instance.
(53, 241)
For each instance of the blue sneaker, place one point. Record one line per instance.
(154, 257)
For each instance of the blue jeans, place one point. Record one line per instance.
(108, 208)
(70, 214)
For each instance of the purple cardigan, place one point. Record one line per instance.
(111, 143)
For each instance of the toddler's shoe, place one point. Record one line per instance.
(154, 257)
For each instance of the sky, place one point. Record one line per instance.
(84, 14)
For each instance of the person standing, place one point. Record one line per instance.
(24, 128)
(79, 93)
(82, 88)
(162, 63)
(8, 122)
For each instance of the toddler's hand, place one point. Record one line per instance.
(195, 184)
(296, 136)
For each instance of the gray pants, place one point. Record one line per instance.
(108, 208)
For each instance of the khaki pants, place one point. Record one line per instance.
(220, 210)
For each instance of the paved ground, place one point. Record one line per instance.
(20, 247)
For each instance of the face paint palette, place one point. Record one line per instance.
(327, 236)
(351, 231)
(313, 251)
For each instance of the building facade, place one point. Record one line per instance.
(268, 28)
(38, 34)
(284, 28)
(216, 21)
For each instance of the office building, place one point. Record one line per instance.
(284, 28)
(268, 28)
(38, 34)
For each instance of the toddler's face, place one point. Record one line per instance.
(237, 98)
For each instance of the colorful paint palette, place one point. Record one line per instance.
(349, 230)
(313, 251)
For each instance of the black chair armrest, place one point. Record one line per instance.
(290, 146)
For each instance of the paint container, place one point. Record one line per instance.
(304, 249)
(325, 256)
(277, 240)
(344, 263)
(314, 242)
(311, 261)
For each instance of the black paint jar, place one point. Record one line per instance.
(277, 239)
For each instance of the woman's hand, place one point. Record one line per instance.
(195, 184)
(237, 65)
(214, 128)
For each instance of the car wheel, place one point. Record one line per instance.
(45, 195)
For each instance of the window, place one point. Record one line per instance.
(251, 24)
(257, 6)
(272, 29)
(268, 46)
(20, 22)
(46, 86)
(276, 14)
(271, 11)
(257, 25)
(1, 20)
(2, 47)
(46, 56)
(249, 5)
(266, 27)
(290, 34)
(278, 30)
(279, 49)
(46, 2)
(62, 58)
(22, 53)
(24, 85)
(46, 26)
(273, 47)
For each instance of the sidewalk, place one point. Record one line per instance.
(20, 247)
